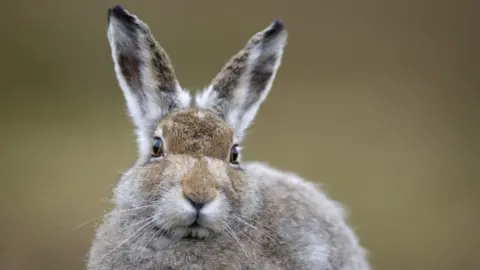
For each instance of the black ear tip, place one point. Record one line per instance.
(278, 23)
(116, 9)
(120, 13)
(113, 10)
(276, 27)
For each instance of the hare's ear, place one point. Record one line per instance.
(243, 84)
(144, 73)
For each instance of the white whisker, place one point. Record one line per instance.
(86, 222)
(147, 221)
(232, 234)
(162, 231)
(256, 228)
(130, 211)
(257, 247)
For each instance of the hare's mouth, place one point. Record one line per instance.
(194, 231)
(195, 224)
(197, 231)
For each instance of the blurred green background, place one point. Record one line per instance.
(379, 100)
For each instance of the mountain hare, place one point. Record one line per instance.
(189, 202)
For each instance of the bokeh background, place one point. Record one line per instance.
(379, 100)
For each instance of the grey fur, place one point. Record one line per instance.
(293, 225)
(262, 218)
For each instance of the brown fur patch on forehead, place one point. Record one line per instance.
(197, 133)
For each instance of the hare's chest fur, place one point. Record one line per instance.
(220, 253)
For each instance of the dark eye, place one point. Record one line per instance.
(157, 147)
(234, 154)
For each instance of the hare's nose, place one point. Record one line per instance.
(195, 204)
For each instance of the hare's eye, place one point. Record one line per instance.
(157, 147)
(234, 154)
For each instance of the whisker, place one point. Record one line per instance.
(123, 211)
(154, 235)
(135, 208)
(134, 224)
(257, 229)
(257, 222)
(162, 231)
(86, 222)
(147, 221)
(258, 248)
(232, 234)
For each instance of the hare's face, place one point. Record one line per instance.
(192, 178)
(188, 167)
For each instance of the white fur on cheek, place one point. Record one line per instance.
(173, 210)
(212, 210)
(215, 214)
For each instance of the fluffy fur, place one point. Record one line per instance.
(196, 207)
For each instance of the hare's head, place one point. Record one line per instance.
(188, 168)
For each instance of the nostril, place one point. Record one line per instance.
(195, 204)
